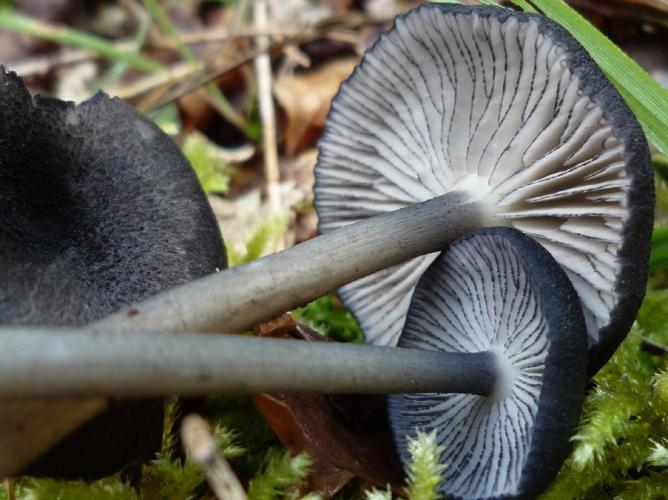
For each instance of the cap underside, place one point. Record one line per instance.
(484, 101)
(497, 290)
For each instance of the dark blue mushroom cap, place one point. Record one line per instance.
(498, 291)
(98, 210)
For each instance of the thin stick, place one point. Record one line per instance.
(200, 446)
(11, 493)
(75, 363)
(42, 63)
(266, 107)
(146, 83)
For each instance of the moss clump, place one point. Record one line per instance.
(619, 447)
(283, 476)
(329, 317)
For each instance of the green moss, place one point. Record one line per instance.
(330, 318)
(425, 471)
(214, 173)
(267, 232)
(167, 118)
(4, 490)
(376, 494)
(50, 489)
(238, 413)
(281, 474)
(175, 479)
(615, 448)
(170, 477)
(654, 486)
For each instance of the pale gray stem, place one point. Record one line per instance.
(75, 363)
(237, 299)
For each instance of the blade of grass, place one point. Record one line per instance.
(160, 16)
(14, 21)
(656, 131)
(119, 68)
(659, 255)
(222, 104)
(661, 165)
(645, 96)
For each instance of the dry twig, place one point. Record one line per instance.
(266, 105)
(11, 494)
(200, 446)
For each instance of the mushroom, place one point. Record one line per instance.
(98, 210)
(563, 139)
(498, 291)
(509, 111)
(230, 301)
(494, 322)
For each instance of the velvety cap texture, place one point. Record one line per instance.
(98, 210)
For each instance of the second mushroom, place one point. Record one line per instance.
(495, 343)
(508, 112)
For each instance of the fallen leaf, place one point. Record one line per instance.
(305, 99)
(282, 327)
(346, 436)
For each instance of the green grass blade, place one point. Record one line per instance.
(160, 16)
(656, 132)
(524, 5)
(14, 21)
(646, 97)
(661, 165)
(659, 256)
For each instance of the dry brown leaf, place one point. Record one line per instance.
(661, 5)
(305, 98)
(654, 10)
(347, 436)
(282, 327)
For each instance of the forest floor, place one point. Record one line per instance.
(246, 96)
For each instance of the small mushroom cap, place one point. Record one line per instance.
(98, 210)
(498, 291)
(510, 109)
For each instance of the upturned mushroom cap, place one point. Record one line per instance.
(497, 290)
(98, 210)
(509, 109)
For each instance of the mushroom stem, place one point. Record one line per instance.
(73, 363)
(237, 299)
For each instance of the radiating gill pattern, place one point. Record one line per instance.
(478, 297)
(459, 101)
